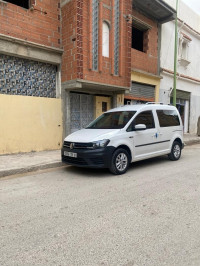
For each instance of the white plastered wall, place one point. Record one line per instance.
(192, 70)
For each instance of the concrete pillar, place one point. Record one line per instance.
(114, 100)
(66, 112)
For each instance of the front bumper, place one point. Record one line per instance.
(98, 158)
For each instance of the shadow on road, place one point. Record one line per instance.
(104, 173)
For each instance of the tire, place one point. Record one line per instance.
(119, 162)
(175, 153)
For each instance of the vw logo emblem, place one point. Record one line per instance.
(71, 146)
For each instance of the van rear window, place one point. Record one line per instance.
(168, 118)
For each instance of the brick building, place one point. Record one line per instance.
(96, 69)
(147, 18)
(30, 85)
(111, 49)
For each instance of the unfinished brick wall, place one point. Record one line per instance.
(105, 73)
(147, 60)
(69, 41)
(77, 43)
(39, 24)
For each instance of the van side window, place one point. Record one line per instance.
(145, 118)
(168, 118)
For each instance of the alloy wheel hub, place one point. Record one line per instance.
(177, 151)
(121, 161)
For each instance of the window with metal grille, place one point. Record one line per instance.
(116, 38)
(95, 34)
(22, 3)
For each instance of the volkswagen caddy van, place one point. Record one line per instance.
(124, 135)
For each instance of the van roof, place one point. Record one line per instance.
(143, 107)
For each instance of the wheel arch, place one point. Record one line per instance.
(125, 147)
(179, 141)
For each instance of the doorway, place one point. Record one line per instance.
(81, 110)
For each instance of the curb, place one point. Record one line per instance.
(30, 169)
(192, 142)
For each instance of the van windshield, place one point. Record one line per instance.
(112, 120)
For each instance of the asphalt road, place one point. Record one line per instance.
(70, 216)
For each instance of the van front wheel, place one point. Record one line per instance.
(120, 162)
(175, 153)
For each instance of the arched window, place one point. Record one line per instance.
(105, 41)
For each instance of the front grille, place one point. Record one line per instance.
(78, 161)
(78, 145)
(97, 161)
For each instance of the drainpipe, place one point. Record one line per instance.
(175, 54)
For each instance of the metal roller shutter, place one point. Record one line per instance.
(140, 90)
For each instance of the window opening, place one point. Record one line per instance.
(183, 50)
(140, 39)
(22, 3)
(104, 107)
(105, 41)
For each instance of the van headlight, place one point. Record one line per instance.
(100, 143)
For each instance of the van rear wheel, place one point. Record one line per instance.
(175, 153)
(120, 162)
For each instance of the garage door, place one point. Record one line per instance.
(142, 92)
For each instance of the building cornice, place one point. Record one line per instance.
(29, 50)
(189, 27)
(170, 72)
(91, 86)
(145, 73)
(30, 44)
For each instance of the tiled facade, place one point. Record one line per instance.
(20, 76)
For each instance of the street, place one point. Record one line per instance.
(76, 216)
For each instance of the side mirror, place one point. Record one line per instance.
(140, 127)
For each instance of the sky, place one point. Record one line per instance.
(194, 4)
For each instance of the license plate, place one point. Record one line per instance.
(70, 154)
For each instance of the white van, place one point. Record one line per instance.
(126, 134)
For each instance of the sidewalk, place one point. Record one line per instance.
(28, 162)
(33, 161)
